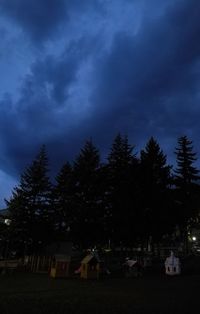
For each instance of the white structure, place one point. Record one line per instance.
(172, 265)
(130, 262)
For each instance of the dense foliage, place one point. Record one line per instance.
(124, 201)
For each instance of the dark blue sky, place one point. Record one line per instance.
(74, 69)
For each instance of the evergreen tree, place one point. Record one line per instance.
(63, 202)
(186, 172)
(122, 164)
(30, 205)
(88, 199)
(121, 155)
(155, 182)
(187, 187)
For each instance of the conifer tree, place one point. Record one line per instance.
(121, 155)
(63, 202)
(122, 164)
(88, 200)
(155, 182)
(186, 172)
(30, 205)
(187, 187)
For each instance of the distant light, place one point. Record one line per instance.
(107, 250)
(194, 238)
(7, 221)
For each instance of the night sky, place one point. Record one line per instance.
(78, 69)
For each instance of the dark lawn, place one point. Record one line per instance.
(35, 293)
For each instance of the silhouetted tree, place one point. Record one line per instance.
(30, 205)
(187, 187)
(88, 200)
(63, 195)
(186, 172)
(155, 183)
(121, 178)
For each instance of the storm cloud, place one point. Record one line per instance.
(79, 69)
(43, 19)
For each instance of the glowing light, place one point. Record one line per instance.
(194, 238)
(7, 221)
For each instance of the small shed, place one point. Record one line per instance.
(90, 267)
(60, 266)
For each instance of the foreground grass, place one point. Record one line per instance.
(37, 293)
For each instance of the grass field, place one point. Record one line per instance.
(37, 293)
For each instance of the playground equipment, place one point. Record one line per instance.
(172, 265)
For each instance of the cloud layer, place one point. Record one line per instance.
(79, 69)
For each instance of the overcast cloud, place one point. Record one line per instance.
(71, 70)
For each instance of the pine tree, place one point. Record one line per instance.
(63, 202)
(186, 172)
(88, 200)
(153, 161)
(121, 154)
(187, 187)
(155, 182)
(121, 179)
(30, 205)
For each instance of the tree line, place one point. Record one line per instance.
(127, 200)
